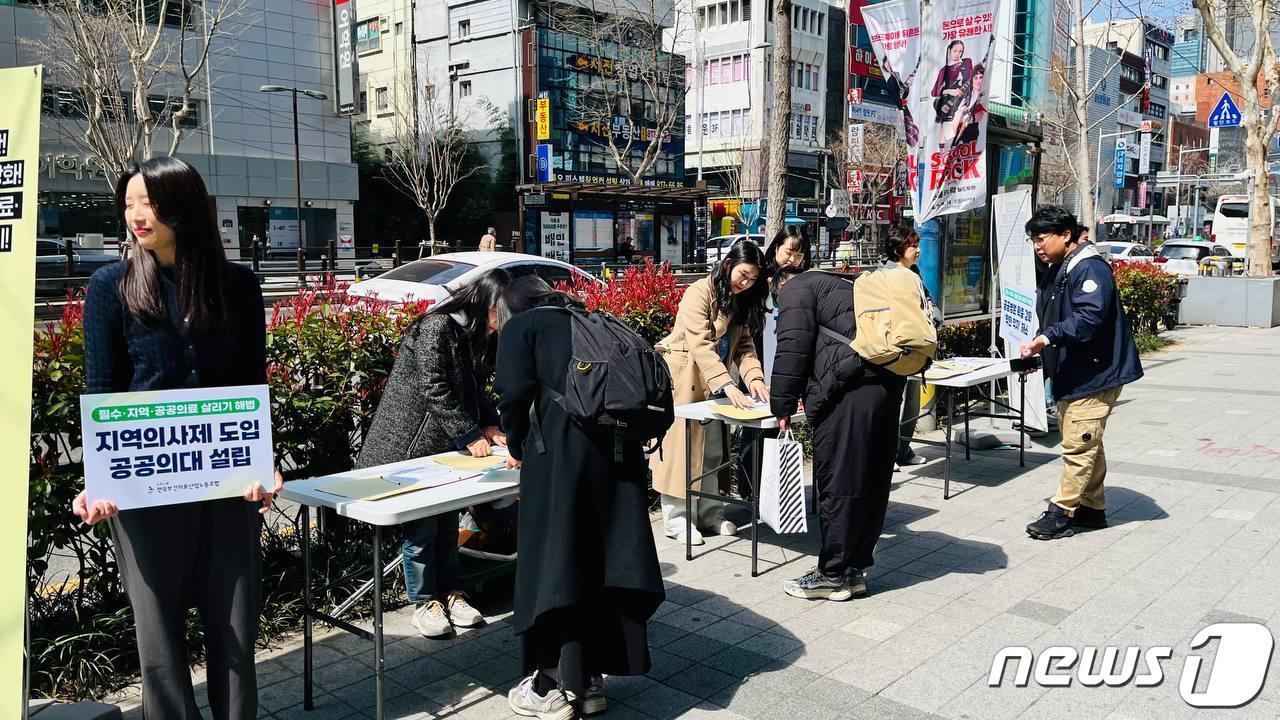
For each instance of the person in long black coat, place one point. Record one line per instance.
(854, 408)
(588, 579)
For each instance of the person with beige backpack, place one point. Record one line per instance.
(846, 350)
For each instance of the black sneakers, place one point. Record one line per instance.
(1054, 523)
(817, 585)
(1089, 518)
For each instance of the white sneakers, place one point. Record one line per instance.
(675, 530)
(461, 614)
(524, 700)
(433, 620)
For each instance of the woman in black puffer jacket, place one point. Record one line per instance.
(853, 408)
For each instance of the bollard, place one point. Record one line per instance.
(302, 266)
(257, 253)
(333, 255)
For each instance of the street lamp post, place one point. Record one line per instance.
(297, 159)
(1182, 151)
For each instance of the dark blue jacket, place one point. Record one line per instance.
(1091, 346)
(122, 354)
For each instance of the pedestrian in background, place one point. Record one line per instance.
(588, 578)
(714, 324)
(435, 402)
(902, 248)
(489, 242)
(786, 255)
(1088, 351)
(177, 314)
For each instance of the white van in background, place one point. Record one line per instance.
(1231, 226)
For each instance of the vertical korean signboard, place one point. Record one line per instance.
(19, 145)
(344, 55)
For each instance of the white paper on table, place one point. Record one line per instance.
(427, 475)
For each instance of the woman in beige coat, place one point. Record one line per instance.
(713, 330)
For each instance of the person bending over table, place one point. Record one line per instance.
(588, 579)
(853, 408)
(435, 402)
(728, 306)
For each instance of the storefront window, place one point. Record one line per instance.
(964, 277)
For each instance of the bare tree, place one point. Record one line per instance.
(883, 149)
(426, 152)
(1257, 71)
(630, 92)
(1058, 181)
(745, 166)
(130, 69)
(1065, 109)
(780, 130)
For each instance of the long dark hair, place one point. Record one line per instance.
(473, 302)
(747, 307)
(181, 201)
(531, 291)
(771, 266)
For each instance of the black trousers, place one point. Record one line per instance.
(606, 636)
(853, 450)
(205, 555)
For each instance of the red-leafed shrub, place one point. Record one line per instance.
(1147, 294)
(646, 298)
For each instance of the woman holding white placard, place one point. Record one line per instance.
(176, 314)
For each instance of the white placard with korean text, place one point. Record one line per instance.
(143, 449)
(1018, 322)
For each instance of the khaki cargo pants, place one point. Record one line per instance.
(1084, 463)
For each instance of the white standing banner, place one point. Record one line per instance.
(941, 74)
(166, 447)
(1017, 268)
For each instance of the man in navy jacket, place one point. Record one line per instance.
(1089, 354)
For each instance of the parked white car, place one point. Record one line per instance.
(718, 246)
(1182, 257)
(438, 277)
(1130, 251)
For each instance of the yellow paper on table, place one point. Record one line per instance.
(466, 462)
(736, 413)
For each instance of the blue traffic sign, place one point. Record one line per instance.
(1225, 114)
(544, 163)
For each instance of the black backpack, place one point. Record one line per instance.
(614, 380)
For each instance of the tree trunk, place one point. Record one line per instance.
(1260, 219)
(1080, 105)
(780, 130)
(431, 236)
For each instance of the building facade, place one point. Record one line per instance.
(241, 140)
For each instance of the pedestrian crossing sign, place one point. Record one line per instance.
(1225, 114)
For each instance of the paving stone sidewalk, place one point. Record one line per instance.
(1194, 504)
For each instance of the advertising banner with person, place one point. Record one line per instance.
(19, 159)
(939, 69)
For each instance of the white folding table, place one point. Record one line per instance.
(970, 382)
(701, 412)
(477, 487)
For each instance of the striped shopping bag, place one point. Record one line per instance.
(782, 501)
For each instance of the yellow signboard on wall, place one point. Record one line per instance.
(544, 118)
(19, 157)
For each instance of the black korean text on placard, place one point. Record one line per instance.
(11, 173)
(6, 238)
(4, 142)
(11, 206)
